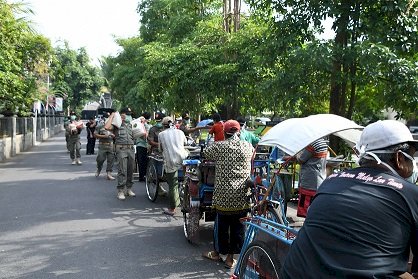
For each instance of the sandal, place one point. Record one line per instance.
(213, 256)
(231, 266)
(168, 212)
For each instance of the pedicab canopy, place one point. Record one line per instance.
(294, 134)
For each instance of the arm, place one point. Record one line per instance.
(108, 124)
(151, 140)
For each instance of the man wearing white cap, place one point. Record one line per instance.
(171, 142)
(363, 222)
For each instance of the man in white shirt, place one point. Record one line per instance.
(171, 142)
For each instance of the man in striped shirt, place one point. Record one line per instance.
(171, 142)
(313, 161)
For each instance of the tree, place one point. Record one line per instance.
(366, 32)
(72, 75)
(23, 59)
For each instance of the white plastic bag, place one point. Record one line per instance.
(138, 128)
(117, 120)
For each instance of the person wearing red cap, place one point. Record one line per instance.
(363, 222)
(232, 170)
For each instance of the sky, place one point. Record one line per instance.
(92, 24)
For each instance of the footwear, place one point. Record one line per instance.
(97, 173)
(169, 212)
(78, 161)
(162, 192)
(109, 176)
(130, 193)
(121, 195)
(213, 256)
(231, 265)
(74, 162)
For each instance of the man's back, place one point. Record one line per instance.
(359, 226)
(172, 142)
(233, 167)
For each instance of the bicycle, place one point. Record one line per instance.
(265, 246)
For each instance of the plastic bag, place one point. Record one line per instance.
(138, 128)
(117, 120)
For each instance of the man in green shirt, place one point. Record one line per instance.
(247, 135)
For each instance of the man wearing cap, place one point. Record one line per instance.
(154, 131)
(247, 135)
(74, 129)
(125, 154)
(185, 125)
(106, 148)
(171, 143)
(364, 221)
(142, 148)
(232, 170)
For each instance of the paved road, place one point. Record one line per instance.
(59, 221)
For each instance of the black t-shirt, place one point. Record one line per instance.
(361, 224)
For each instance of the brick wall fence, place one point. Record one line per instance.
(18, 134)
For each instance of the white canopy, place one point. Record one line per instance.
(92, 106)
(292, 135)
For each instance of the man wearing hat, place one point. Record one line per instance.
(232, 170)
(105, 152)
(154, 131)
(74, 129)
(171, 142)
(142, 148)
(363, 222)
(185, 125)
(125, 154)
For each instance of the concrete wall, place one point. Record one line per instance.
(12, 145)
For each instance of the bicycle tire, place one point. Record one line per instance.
(259, 262)
(191, 217)
(151, 182)
(272, 214)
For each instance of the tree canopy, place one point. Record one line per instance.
(183, 59)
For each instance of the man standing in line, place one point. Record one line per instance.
(142, 148)
(217, 129)
(74, 129)
(171, 143)
(125, 154)
(91, 140)
(106, 149)
(247, 135)
(232, 170)
(154, 131)
(363, 222)
(185, 125)
(67, 122)
(153, 142)
(312, 160)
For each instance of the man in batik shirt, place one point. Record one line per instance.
(233, 166)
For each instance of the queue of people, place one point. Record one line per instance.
(360, 223)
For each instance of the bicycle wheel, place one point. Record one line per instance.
(151, 182)
(191, 217)
(272, 214)
(259, 262)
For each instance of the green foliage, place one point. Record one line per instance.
(183, 60)
(23, 56)
(73, 78)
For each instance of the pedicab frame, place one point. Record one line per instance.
(267, 242)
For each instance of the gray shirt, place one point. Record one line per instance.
(313, 161)
(124, 134)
